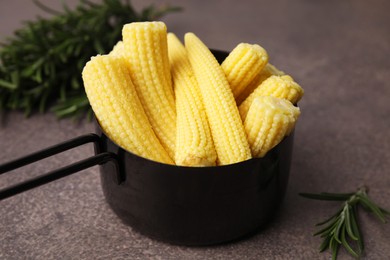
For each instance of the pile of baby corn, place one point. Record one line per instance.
(175, 103)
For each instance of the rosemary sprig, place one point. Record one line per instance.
(342, 228)
(41, 64)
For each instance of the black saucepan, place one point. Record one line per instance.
(175, 204)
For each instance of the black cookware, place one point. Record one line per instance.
(180, 205)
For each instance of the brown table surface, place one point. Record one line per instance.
(337, 50)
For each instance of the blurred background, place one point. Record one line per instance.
(336, 50)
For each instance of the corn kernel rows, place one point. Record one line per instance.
(206, 114)
(242, 65)
(224, 119)
(118, 109)
(194, 144)
(146, 54)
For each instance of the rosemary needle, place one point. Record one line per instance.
(342, 228)
(41, 64)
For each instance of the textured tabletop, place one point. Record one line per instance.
(337, 50)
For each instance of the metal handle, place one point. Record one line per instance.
(98, 159)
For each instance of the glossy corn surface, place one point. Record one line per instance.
(278, 86)
(194, 143)
(268, 121)
(146, 54)
(242, 65)
(118, 109)
(265, 73)
(226, 126)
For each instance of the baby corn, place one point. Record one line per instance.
(146, 54)
(222, 113)
(243, 64)
(265, 73)
(115, 103)
(194, 144)
(278, 86)
(268, 121)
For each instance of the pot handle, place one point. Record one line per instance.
(98, 159)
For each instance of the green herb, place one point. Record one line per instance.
(41, 64)
(342, 228)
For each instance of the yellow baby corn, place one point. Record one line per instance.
(224, 119)
(118, 50)
(265, 73)
(147, 57)
(278, 86)
(293, 112)
(194, 144)
(268, 121)
(243, 64)
(118, 109)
